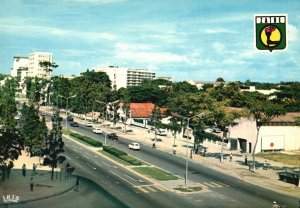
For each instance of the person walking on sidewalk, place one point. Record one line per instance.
(230, 157)
(265, 165)
(76, 184)
(31, 184)
(34, 168)
(24, 170)
(246, 160)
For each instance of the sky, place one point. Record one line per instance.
(184, 39)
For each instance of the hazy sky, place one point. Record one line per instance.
(187, 40)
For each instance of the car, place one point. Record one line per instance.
(112, 136)
(290, 177)
(161, 132)
(134, 146)
(216, 130)
(44, 114)
(70, 118)
(97, 130)
(89, 124)
(74, 124)
(208, 130)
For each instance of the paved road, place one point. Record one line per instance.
(226, 188)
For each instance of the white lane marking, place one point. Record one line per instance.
(122, 178)
(218, 185)
(139, 180)
(91, 166)
(86, 156)
(99, 164)
(144, 185)
(74, 155)
(112, 166)
(75, 146)
(89, 154)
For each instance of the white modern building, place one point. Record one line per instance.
(20, 67)
(124, 77)
(30, 66)
(34, 68)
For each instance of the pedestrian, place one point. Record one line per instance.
(205, 150)
(9, 167)
(230, 157)
(174, 150)
(33, 168)
(76, 184)
(31, 184)
(265, 165)
(246, 160)
(275, 205)
(24, 170)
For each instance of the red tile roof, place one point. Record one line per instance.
(288, 117)
(143, 110)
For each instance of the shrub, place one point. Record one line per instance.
(114, 151)
(130, 160)
(87, 140)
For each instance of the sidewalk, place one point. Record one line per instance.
(17, 186)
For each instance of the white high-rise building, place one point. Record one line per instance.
(34, 68)
(20, 67)
(30, 66)
(125, 77)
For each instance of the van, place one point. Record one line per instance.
(162, 132)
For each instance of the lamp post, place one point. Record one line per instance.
(101, 102)
(187, 147)
(112, 103)
(67, 98)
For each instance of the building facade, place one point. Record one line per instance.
(125, 77)
(34, 68)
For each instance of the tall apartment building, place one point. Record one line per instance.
(124, 77)
(34, 68)
(20, 67)
(29, 66)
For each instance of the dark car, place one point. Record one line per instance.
(74, 124)
(70, 118)
(112, 136)
(290, 177)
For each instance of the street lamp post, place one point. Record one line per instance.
(67, 98)
(187, 146)
(101, 102)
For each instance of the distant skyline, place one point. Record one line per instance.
(184, 39)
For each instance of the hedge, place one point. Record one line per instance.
(131, 160)
(87, 140)
(114, 151)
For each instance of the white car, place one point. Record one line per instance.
(97, 130)
(88, 124)
(134, 146)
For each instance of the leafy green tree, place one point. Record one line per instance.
(2, 76)
(48, 66)
(33, 130)
(220, 79)
(155, 121)
(262, 111)
(288, 95)
(11, 143)
(54, 144)
(126, 113)
(184, 87)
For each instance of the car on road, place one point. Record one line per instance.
(112, 136)
(89, 124)
(74, 124)
(290, 177)
(216, 130)
(70, 118)
(134, 146)
(161, 132)
(97, 130)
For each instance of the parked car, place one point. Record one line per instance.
(74, 124)
(290, 177)
(112, 136)
(134, 146)
(89, 124)
(216, 130)
(208, 130)
(161, 132)
(97, 130)
(70, 118)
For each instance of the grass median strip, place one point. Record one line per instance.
(155, 173)
(189, 189)
(288, 159)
